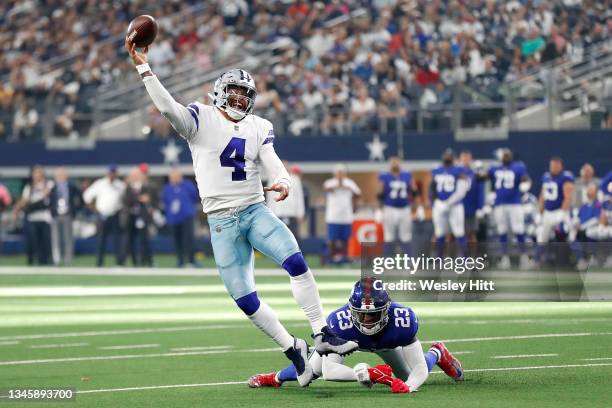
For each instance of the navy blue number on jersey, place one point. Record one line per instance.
(235, 147)
(400, 330)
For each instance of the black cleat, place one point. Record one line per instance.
(327, 342)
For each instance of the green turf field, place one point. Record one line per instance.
(178, 341)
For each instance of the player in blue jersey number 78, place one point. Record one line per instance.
(228, 145)
(379, 326)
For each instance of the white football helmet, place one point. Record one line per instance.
(234, 93)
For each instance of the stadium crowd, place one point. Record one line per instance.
(385, 63)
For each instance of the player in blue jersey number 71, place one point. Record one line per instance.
(379, 326)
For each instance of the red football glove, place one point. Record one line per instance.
(385, 369)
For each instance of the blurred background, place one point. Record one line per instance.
(344, 82)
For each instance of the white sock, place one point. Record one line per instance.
(306, 294)
(267, 321)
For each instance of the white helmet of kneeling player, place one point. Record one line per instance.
(234, 93)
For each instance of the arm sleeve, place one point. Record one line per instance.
(334, 369)
(463, 186)
(273, 166)
(415, 359)
(185, 120)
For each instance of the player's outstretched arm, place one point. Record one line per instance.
(415, 359)
(181, 118)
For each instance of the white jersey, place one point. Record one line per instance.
(225, 153)
(339, 200)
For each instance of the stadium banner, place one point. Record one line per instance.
(563, 273)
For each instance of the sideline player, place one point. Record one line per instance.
(509, 181)
(555, 201)
(384, 328)
(397, 190)
(226, 142)
(448, 188)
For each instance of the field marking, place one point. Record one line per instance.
(521, 337)
(8, 343)
(129, 346)
(59, 345)
(260, 350)
(526, 355)
(596, 358)
(201, 348)
(146, 272)
(458, 353)
(475, 370)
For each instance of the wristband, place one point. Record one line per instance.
(142, 68)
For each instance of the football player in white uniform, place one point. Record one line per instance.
(227, 142)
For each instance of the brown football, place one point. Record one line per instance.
(142, 30)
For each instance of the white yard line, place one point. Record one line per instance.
(129, 346)
(521, 337)
(458, 353)
(475, 370)
(201, 348)
(527, 355)
(596, 358)
(8, 343)
(59, 345)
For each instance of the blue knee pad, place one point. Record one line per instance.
(296, 264)
(249, 303)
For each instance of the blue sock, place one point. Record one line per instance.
(287, 374)
(462, 245)
(521, 242)
(431, 358)
(503, 240)
(408, 248)
(440, 246)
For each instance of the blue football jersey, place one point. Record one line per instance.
(506, 180)
(606, 184)
(445, 180)
(396, 189)
(589, 211)
(400, 330)
(474, 197)
(606, 207)
(552, 189)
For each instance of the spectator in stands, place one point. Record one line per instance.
(105, 198)
(37, 216)
(393, 108)
(341, 194)
(363, 110)
(291, 210)
(587, 177)
(139, 203)
(24, 121)
(65, 200)
(180, 201)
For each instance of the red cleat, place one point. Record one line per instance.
(264, 380)
(385, 368)
(448, 363)
(399, 387)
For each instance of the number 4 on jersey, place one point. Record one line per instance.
(235, 147)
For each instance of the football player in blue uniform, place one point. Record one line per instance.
(474, 198)
(555, 201)
(606, 185)
(587, 222)
(379, 326)
(509, 181)
(397, 191)
(448, 188)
